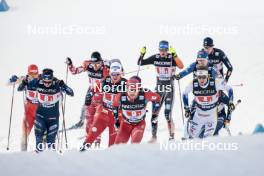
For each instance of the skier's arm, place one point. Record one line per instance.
(116, 101)
(148, 61)
(65, 88)
(185, 95)
(228, 65)
(75, 70)
(214, 72)
(188, 70)
(178, 62)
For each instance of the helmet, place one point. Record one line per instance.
(32, 69)
(208, 42)
(202, 54)
(164, 45)
(134, 82)
(96, 56)
(47, 74)
(116, 68)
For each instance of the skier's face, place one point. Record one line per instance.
(47, 83)
(132, 92)
(97, 65)
(202, 79)
(116, 77)
(163, 52)
(33, 76)
(208, 49)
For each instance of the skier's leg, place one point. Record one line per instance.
(195, 125)
(220, 121)
(123, 133)
(211, 122)
(52, 130)
(98, 126)
(169, 100)
(112, 129)
(138, 132)
(40, 128)
(154, 118)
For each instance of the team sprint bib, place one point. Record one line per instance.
(165, 73)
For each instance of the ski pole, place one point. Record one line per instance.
(180, 93)
(10, 119)
(139, 64)
(237, 85)
(63, 109)
(26, 122)
(137, 71)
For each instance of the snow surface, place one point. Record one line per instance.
(122, 28)
(144, 159)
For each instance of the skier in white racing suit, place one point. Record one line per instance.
(207, 96)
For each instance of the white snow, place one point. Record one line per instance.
(144, 159)
(118, 29)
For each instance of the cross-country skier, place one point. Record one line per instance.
(49, 92)
(165, 62)
(201, 60)
(218, 58)
(30, 103)
(105, 113)
(132, 105)
(96, 71)
(206, 92)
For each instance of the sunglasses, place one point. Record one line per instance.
(202, 77)
(163, 50)
(207, 47)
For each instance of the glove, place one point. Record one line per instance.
(143, 51)
(173, 52)
(231, 107)
(61, 83)
(156, 108)
(68, 61)
(187, 112)
(13, 79)
(88, 98)
(177, 77)
(226, 123)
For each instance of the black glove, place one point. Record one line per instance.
(13, 79)
(231, 107)
(177, 77)
(61, 83)
(187, 112)
(68, 61)
(156, 108)
(25, 81)
(88, 98)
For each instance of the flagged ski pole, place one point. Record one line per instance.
(10, 118)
